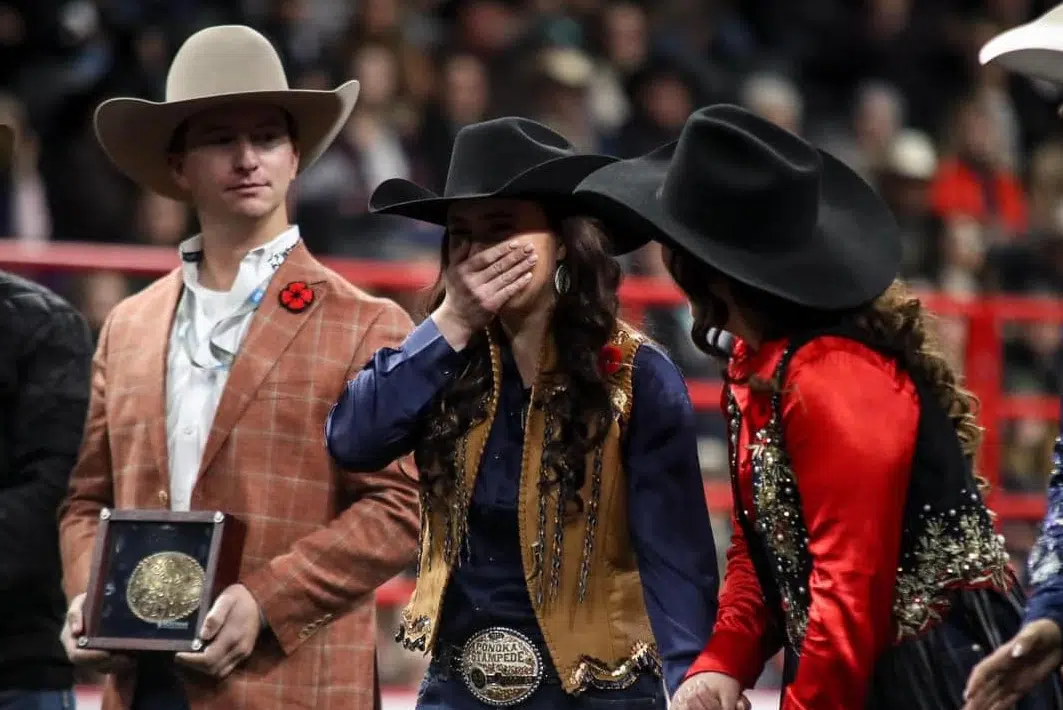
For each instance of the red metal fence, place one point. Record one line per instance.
(983, 367)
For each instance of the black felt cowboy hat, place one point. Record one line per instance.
(507, 157)
(758, 204)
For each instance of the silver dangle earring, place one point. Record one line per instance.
(719, 342)
(562, 280)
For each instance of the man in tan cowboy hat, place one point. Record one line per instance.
(1035, 50)
(210, 390)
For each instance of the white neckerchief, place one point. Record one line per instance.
(208, 323)
(208, 329)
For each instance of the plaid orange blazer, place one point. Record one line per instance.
(319, 540)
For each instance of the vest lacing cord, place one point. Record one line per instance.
(557, 551)
(592, 524)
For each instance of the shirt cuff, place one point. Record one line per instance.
(426, 343)
(1046, 604)
(732, 653)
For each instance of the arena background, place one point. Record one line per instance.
(971, 160)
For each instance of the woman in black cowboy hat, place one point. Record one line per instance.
(861, 546)
(566, 553)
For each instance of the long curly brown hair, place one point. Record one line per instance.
(577, 400)
(895, 319)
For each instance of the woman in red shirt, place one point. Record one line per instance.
(861, 548)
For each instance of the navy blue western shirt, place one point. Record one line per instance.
(377, 420)
(1045, 564)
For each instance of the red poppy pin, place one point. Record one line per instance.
(609, 360)
(296, 296)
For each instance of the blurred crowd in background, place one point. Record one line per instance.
(969, 157)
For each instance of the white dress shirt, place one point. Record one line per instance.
(208, 328)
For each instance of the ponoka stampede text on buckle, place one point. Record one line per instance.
(501, 667)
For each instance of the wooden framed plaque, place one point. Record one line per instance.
(155, 574)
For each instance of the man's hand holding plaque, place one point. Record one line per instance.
(89, 659)
(164, 581)
(230, 632)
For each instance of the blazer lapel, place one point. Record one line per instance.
(273, 327)
(156, 346)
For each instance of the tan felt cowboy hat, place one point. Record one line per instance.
(1034, 49)
(214, 67)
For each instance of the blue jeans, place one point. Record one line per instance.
(36, 700)
(446, 691)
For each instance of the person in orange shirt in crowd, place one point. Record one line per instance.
(974, 184)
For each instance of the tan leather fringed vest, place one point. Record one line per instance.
(582, 575)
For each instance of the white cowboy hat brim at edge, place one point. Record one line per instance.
(1034, 49)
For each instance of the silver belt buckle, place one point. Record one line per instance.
(501, 667)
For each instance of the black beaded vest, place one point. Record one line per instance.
(949, 547)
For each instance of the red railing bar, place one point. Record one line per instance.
(1028, 406)
(638, 294)
(1026, 507)
(143, 260)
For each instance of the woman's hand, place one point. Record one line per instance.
(479, 285)
(710, 691)
(1015, 668)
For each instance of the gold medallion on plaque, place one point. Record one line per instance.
(501, 667)
(165, 587)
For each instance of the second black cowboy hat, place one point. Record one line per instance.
(760, 205)
(507, 157)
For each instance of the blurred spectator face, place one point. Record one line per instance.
(1044, 338)
(377, 70)
(667, 102)
(585, 7)
(101, 291)
(546, 7)
(1046, 187)
(290, 11)
(12, 26)
(1010, 12)
(486, 26)
(1031, 433)
(465, 92)
(379, 17)
(315, 79)
(977, 134)
(907, 196)
(878, 119)
(776, 99)
(161, 220)
(964, 245)
(566, 75)
(782, 113)
(626, 43)
(152, 50)
(13, 114)
(910, 165)
(238, 161)
(888, 17)
(952, 336)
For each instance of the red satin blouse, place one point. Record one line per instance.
(850, 420)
